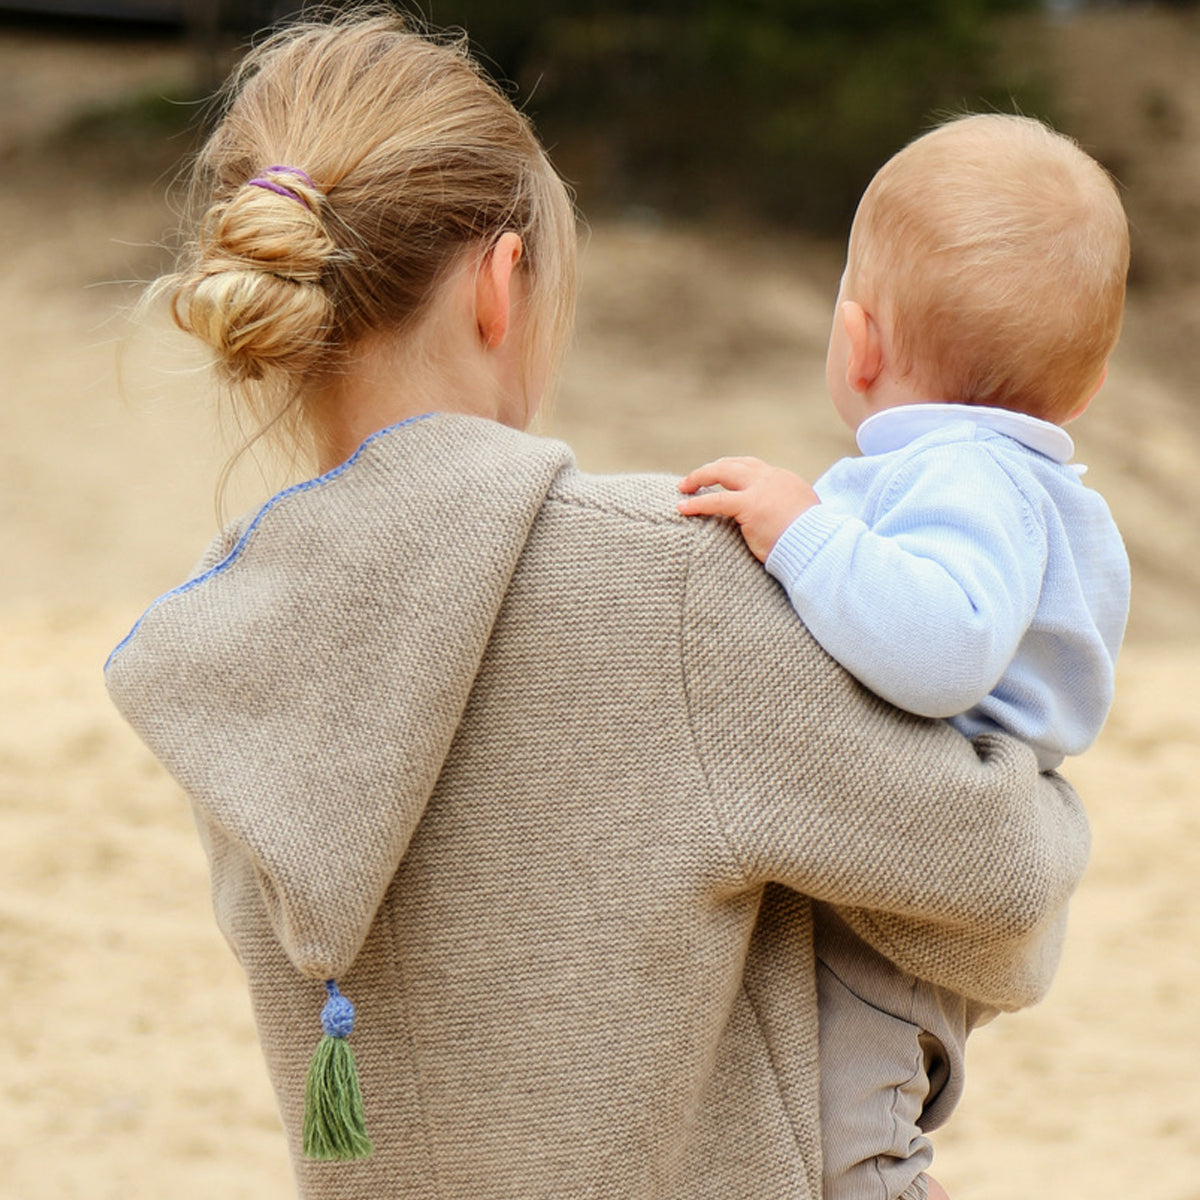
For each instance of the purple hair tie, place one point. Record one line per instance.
(282, 189)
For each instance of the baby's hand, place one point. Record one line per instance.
(762, 499)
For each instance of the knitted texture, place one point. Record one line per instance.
(543, 774)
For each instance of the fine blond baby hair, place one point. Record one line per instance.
(356, 163)
(997, 250)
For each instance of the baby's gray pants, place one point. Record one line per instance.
(891, 1056)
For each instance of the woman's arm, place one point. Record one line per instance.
(956, 860)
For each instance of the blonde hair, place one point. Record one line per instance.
(997, 250)
(356, 163)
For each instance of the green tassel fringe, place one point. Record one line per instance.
(334, 1129)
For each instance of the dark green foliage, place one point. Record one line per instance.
(141, 115)
(779, 108)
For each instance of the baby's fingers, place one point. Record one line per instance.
(711, 504)
(733, 473)
(700, 477)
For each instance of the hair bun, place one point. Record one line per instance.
(255, 293)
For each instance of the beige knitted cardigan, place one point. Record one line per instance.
(544, 774)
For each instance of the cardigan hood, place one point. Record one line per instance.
(247, 681)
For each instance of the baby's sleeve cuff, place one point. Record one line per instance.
(800, 542)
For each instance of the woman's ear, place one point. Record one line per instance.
(493, 289)
(864, 360)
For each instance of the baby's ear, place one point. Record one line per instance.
(865, 359)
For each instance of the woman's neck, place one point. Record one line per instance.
(386, 380)
(465, 356)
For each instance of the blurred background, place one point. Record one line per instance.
(717, 149)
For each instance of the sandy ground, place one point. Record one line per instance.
(131, 1067)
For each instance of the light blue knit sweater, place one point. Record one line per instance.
(960, 568)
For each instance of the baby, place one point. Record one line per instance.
(958, 567)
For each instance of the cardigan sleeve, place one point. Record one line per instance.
(925, 605)
(956, 860)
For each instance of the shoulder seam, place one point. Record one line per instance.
(711, 792)
(615, 510)
(1032, 525)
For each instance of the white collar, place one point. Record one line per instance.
(892, 428)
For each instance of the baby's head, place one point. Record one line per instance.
(357, 166)
(994, 252)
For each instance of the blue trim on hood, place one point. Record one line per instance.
(237, 550)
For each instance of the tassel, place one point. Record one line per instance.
(334, 1129)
